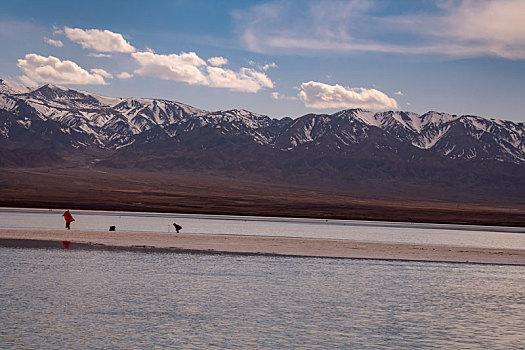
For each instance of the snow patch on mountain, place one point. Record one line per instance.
(7, 103)
(428, 139)
(11, 87)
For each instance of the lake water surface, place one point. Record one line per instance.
(80, 299)
(88, 299)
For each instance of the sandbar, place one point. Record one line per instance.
(257, 245)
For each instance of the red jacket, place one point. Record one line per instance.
(68, 217)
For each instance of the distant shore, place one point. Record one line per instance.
(256, 245)
(86, 188)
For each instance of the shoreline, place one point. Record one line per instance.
(257, 245)
(437, 216)
(356, 222)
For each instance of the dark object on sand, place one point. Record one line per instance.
(177, 227)
(66, 244)
(112, 228)
(68, 217)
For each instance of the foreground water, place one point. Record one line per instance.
(64, 299)
(387, 232)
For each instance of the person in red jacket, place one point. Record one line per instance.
(68, 217)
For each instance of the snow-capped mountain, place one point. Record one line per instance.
(448, 135)
(61, 118)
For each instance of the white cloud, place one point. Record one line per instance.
(264, 67)
(57, 30)
(218, 61)
(99, 40)
(27, 81)
(269, 65)
(40, 69)
(319, 95)
(102, 72)
(56, 43)
(277, 25)
(278, 96)
(185, 67)
(99, 55)
(191, 69)
(124, 75)
(496, 26)
(399, 93)
(246, 80)
(457, 28)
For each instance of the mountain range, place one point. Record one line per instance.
(359, 151)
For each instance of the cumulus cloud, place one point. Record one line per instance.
(457, 28)
(99, 40)
(27, 81)
(185, 67)
(399, 93)
(57, 30)
(278, 96)
(319, 95)
(191, 69)
(264, 67)
(102, 72)
(218, 61)
(56, 43)
(246, 80)
(124, 75)
(40, 69)
(269, 65)
(99, 55)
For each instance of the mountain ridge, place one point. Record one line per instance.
(114, 123)
(390, 153)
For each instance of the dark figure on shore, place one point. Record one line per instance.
(177, 227)
(69, 218)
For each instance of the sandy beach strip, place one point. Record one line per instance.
(257, 245)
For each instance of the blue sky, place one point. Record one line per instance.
(279, 58)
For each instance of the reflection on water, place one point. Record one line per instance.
(458, 235)
(98, 299)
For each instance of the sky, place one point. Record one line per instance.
(277, 58)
